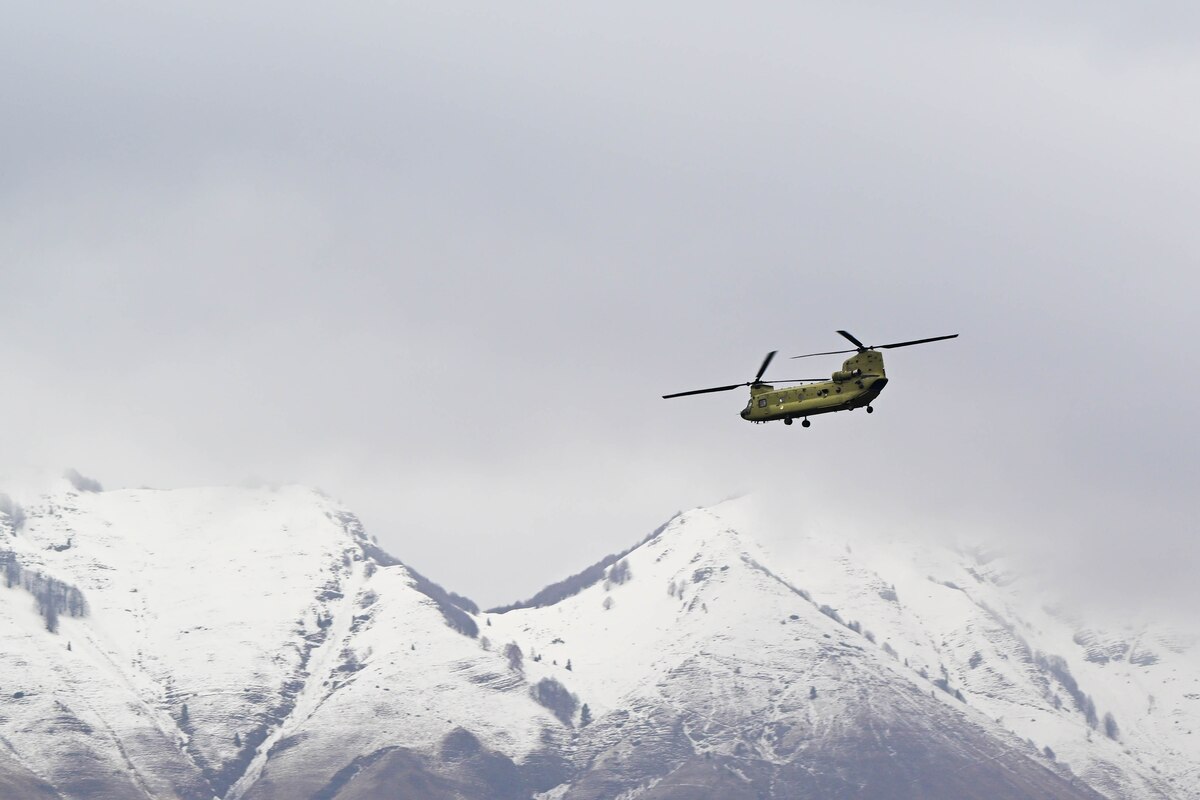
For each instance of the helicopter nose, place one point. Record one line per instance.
(745, 413)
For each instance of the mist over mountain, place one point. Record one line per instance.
(258, 644)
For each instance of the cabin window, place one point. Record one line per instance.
(762, 403)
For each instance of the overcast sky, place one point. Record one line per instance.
(441, 260)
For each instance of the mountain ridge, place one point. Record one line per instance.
(258, 644)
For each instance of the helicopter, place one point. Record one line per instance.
(855, 385)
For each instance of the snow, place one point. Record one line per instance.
(956, 617)
(261, 612)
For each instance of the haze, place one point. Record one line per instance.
(442, 260)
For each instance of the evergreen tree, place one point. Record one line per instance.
(585, 716)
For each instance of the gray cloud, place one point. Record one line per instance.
(442, 262)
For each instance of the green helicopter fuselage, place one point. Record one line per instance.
(855, 385)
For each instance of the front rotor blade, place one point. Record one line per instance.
(830, 353)
(854, 341)
(914, 341)
(705, 391)
(763, 368)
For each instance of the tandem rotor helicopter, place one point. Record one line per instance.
(855, 385)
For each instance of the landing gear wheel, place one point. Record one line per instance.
(787, 421)
(870, 410)
(805, 423)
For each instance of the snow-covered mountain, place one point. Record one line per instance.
(258, 645)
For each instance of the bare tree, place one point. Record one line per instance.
(516, 659)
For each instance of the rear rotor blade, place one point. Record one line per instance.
(914, 341)
(763, 368)
(876, 346)
(799, 380)
(828, 353)
(705, 391)
(853, 341)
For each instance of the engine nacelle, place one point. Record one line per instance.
(846, 375)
